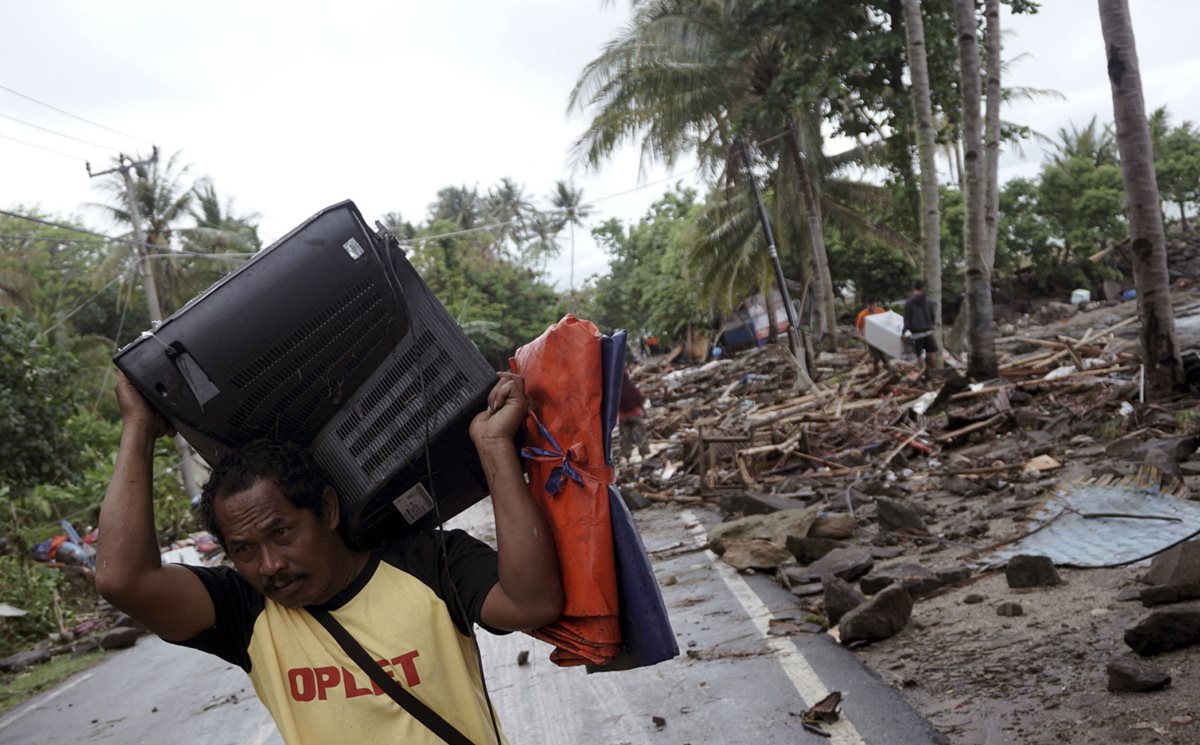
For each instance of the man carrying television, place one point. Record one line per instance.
(410, 605)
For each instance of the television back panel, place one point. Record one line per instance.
(328, 338)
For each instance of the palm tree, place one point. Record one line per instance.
(687, 75)
(991, 170)
(539, 242)
(931, 230)
(163, 199)
(216, 231)
(981, 326)
(1160, 351)
(569, 201)
(508, 209)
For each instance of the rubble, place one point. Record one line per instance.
(840, 598)
(924, 487)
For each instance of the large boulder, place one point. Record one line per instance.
(754, 554)
(847, 563)
(807, 549)
(897, 516)
(881, 617)
(841, 597)
(1178, 565)
(119, 638)
(912, 577)
(1126, 674)
(1165, 630)
(1025, 570)
(774, 527)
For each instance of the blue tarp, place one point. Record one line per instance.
(646, 634)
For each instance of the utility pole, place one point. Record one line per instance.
(127, 164)
(793, 325)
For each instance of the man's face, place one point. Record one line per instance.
(285, 552)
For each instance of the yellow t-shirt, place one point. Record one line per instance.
(399, 611)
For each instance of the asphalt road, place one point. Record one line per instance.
(737, 679)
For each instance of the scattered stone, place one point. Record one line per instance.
(1181, 719)
(119, 638)
(758, 504)
(1164, 594)
(523, 657)
(807, 550)
(897, 516)
(21, 660)
(953, 576)
(1178, 565)
(754, 554)
(1031, 571)
(841, 597)
(808, 589)
(835, 525)
(1165, 630)
(974, 598)
(1130, 593)
(882, 553)
(659, 722)
(1010, 609)
(775, 527)
(912, 577)
(881, 617)
(847, 563)
(634, 499)
(1126, 674)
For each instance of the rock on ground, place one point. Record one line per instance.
(1031, 571)
(896, 516)
(1126, 674)
(119, 638)
(1165, 630)
(882, 617)
(841, 597)
(847, 563)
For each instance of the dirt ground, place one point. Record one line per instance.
(1039, 678)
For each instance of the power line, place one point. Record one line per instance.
(73, 116)
(118, 239)
(47, 149)
(55, 132)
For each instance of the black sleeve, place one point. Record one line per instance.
(907, 315)
(237, 605)
(470, 570)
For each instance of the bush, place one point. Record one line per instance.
(32, 589)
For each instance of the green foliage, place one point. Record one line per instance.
(32, 589)
(36, 400)
(874, 270)
(501, 303)
(649, 288)
(1177, 166)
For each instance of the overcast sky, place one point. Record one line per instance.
(291, 106)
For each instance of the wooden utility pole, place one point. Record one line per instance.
(126, 167)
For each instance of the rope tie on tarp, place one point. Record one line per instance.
(565, 468)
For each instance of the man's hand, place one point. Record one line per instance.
(136, 411)
(505, 413)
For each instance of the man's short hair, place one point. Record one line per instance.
(291, 467)
(919, 284)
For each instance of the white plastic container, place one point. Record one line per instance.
(883, 331)
(1081, 296)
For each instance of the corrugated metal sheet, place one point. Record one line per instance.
(1106, 522)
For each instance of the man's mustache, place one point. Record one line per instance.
(278, 581)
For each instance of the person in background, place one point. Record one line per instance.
(878, 357)
(631, 414)
(919, 317)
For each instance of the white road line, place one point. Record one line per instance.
(264, 732)
(802, 675)
(42, 702)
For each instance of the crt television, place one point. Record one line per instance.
(329, 338)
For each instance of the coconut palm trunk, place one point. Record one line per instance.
(931, 222)
(991, 132)
(1160, 353)
(816, 232)
(981, 331)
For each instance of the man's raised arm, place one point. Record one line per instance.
(529, 594)
(169, 600)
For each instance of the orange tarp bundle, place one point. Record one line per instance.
(569, 478)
